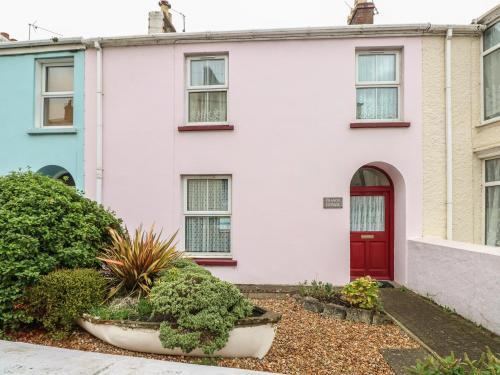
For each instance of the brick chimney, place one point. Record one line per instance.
(161, 21)
(362, 13)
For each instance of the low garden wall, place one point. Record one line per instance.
(342, 312)
(464, 277)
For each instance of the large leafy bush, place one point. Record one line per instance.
(60, 297)
(363, 292)
(199, 309)
(134, 262)
(44, 225)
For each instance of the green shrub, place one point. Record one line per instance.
(199, 309)
(134, 262)
(181, 266)
(187, 264)
(487, 364)
(124, 309)
(62, 296)
(317, 289)
(144, 309)
(363, 292)
(44, 225)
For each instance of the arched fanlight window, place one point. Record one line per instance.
(367, 176)
(58, 173)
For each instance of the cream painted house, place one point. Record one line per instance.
(457, 261)
(474, 146)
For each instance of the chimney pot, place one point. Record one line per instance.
(362, 13)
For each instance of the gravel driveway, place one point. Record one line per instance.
(305, 343)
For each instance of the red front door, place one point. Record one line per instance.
(371, 232)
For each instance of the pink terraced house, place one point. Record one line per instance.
(281, 155)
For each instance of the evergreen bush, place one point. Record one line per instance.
(44, 225)
(199, 309)
(60, 297)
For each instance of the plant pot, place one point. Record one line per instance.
(250, 337)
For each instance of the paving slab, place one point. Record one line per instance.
(401, 359)
(438, 329)
(28, 359)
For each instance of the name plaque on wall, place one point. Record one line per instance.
(332, 202)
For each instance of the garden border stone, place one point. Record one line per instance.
(333, 310)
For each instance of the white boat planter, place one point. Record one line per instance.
(250, 337)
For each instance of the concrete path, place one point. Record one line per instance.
(20, 358)
(401, 359)
(439, 330)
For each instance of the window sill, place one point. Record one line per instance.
(219, 262)
(387, 124)
(198, 128)
(494, 120)
(43, 131)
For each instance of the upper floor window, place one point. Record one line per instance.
(207, 89)
(55, 93)
(377, 86)
(491, 72)
(207, 215)
(492, 203)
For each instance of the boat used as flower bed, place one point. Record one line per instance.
(250, 337)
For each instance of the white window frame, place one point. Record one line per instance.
(486, 185)
(41, 94)
(202, 88)
(380, 84)
(225, 213)
(481, 69)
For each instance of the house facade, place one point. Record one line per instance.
(42, 112)
(456, 261)
(279, 155)
(474, 144)
(277, 167)
(475, 139)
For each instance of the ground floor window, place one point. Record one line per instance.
(207, 214)
(492, 202)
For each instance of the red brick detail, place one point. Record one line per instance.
(362, 14)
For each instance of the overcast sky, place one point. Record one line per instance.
(90, 18)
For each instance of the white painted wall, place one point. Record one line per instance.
(462, 276)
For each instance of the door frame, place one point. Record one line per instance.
(389, 218)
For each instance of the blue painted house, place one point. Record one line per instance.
(42, 108)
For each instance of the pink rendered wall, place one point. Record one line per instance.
(291, 103)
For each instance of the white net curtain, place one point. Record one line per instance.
(208, 104)
(367, 214)
(491, 72)
(492, 196)
(368, 211)
(377, 102)
(208, 227)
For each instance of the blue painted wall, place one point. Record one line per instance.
(18, 148)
